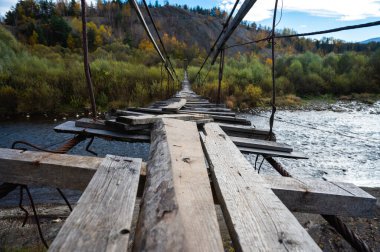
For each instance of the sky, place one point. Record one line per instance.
(299, 15)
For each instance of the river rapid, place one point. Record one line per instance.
(342, 143)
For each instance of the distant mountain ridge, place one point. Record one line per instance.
(376, 40)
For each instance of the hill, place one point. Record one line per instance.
(372, 40)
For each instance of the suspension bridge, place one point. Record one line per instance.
(196, 162)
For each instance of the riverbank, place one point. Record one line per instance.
(14, 237)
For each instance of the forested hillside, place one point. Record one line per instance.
(41, 67)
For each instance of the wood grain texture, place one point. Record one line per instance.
(322, 197)
(174, 106)
(261, 144)
(256, 217)
(139, 120)
(47, 169)
(102, 219)
(177, 211)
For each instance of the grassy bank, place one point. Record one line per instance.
(50, 80)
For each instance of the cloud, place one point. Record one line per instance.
(344, 10)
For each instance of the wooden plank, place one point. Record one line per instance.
(271, 153)
(174, 106)
(212, 113)
(256, 218)
(147, 110)
(233, 120)
(261, 144)
(138, 129)
(120, 112)
(242, 128)
(177, 211)
(138, 120)
(47, 169)
(101, 221)
(111, 125)
(69, 127)
(322, 197)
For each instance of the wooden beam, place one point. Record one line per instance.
(47, 169)
(261, 144)
(75, 172)
(256, 218)
(101, 221)
(322, 197)
(174, 106)
(138, 120)
(177, 210)
(69, 127)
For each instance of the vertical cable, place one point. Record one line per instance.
(85, 60)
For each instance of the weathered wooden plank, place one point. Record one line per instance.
(230, 119)
(120, 112)
(111, 125)
(69, 127)
(271, 153)
(47, 169)
(322, 197)
(212, 113)
(177, 211)
(242, 128)
(261, 144)
(138, 120)
(174, 106)
(147, 110)
(256, 218)
(102, 219)
(138, 129)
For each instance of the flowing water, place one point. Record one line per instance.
(341, 146)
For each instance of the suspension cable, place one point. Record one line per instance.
(343, 28)
(85, 60)
(159, 38)
(142, 20)
(225, 25)
(271, 120)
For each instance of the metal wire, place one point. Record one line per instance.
(343, 28)
(217, 39)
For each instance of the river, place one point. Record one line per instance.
(341, 146)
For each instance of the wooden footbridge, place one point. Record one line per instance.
(195, 163)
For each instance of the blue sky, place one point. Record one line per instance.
(300, 15)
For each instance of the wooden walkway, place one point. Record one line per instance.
(195, 162)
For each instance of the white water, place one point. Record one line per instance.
(341, 146)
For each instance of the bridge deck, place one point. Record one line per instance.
(190, 139)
